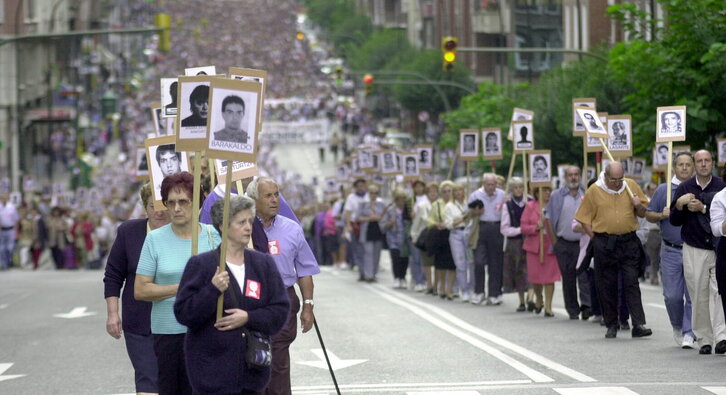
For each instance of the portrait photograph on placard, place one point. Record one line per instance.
(342, 172)
(540, 169)
(356, 170)
(170, 129)
(388, 162)
(252, 75)
(365, 158)
(169, 102)
(468, 144)
(158, 121)
(410, 166)
(638, 170)
(376, 155)
(492, 142)
(193, 112)
(578, 127)
(620, 132)
(627, 164)
(562, 173)
(163, 160)
(591, 121)
(240, 170)
(142, 166)
(425, 155)
(523, 136)
(331, 185)
(671, 124)
(592, 144)
(589, 173)
(203, 70)
(721, 148)
(233, 123)
(660, 156)
(519, 114)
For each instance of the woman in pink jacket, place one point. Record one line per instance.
(540, 275)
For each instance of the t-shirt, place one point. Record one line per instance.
(164, 257)
(610, 213)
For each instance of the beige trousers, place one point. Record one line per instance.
(699, 269)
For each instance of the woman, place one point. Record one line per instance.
(163, 257)
(420, 216)
(515, 265)
(82, 231)
(399, 245)
(457, 219)
(540, 275)
(254, 298)
(443, 261)
(121, 272)
(371, 235)
(58, 239)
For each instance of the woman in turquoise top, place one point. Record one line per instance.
(163, 258)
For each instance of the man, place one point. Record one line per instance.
(233, 110)
(608, 215)
(199, 105)
(675, 293)
(350, 208)
(560, 211)
(9, 219)
(539, 166)
(488, 250)
(168, 159)
(689, 209)
(410, 168)
(670, 122)
(424, 158)
(491, 145)
(296, 264)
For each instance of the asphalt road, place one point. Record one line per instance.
(381, 341)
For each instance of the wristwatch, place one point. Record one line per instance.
(309, 301)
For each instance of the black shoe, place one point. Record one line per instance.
(531, 306)
(641, 331)
(574, 316)
(720, 347)
(705, 350)
(586, 314)
(537, 310)
(548, 314)
(430, 291)
(612, 332)
(624, 325)
(521, 308)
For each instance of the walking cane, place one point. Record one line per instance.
(325, 352)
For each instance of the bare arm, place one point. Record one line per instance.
(113, 320)
(306, 316)
(655, 217)
(588, 230)
(146, 290)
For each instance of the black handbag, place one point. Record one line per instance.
(422, 240)
(259, 345)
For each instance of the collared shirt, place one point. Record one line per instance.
(668, 232)
(352, 202)
(570, 204)
(695, 226)
(611, 213)
(291, 252)
(718, 213)
(453, 211)
(9, 215)
(492, 204)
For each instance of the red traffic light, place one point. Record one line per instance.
(449, 44)
(368, 79)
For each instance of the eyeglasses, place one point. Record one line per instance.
(615, 180)
(183, 203)
(446, 191)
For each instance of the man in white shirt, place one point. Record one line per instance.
(352, 202)
(9, 218)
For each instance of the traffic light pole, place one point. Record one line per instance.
(531, 50)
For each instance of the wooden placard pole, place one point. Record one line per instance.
(610, 156)
(225, 225)
(526, 177)
(451, 168)
(541, 231)
(467, 179)
(212, 176)
(584, 161)
(511, 166)
(195, 202)
(669, 174)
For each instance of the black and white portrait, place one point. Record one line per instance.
(233, 119)
(163, 160)
(388, 164)
(592, 123)
(342, 172)
(365, 158)
(721, 148)
(203, 70)
(193, 113)
(469, 144)
(627, 168)
(410, 165)
(492, 141)
(523, 135)
(142, 166)
(424, 155)
(540, 167)
(638, 167)
(619, 130)
(169, 102)
(660, 157)
(590, 172)
(518, 114)
(158, 121)
(578, 126)
(671, 124)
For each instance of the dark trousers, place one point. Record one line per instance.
(613, 254)
(400, 264)
(57, 257)
(280, 380)
(595, 296)
(489, 253)
(567, 253)
(169, 350)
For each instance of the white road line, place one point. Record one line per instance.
(657, 305)
(595, 391)
(716, 390)
(546, 362)
(446, 393)
(4, 306)
(560, 311)
(524, 369)
(427, 388)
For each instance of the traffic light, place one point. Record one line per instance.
(368, 82)
(300, 36)
(448, 47)
(163, 21)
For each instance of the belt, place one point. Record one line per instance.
(669, 244)
(623, 236)
(567, 241)
(7, 227)
(490, 222)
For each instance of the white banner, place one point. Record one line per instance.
(296, 132)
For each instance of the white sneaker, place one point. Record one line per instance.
(688, 342)
(678, 337)
(491, 301)
(477, 299)
(499, 300)
(464, 297)
(419, 287)
(396, 283)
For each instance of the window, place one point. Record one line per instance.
(29, 10)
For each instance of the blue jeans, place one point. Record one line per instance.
(414, 264)
(7, 246)
(369, 265)
(458, 241)
(674, 289)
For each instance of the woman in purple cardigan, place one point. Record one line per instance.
(120, 269)
(254, 298)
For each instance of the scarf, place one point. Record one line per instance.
(602, 185)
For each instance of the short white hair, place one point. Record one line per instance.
(252, 187)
